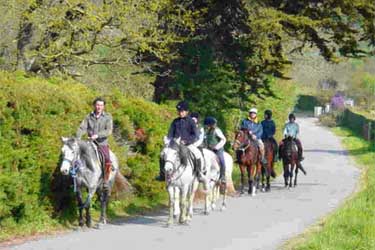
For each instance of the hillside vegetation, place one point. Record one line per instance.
(34, 114)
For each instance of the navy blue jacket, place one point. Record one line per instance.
(185, 129)
(269, 129)
(255, 128)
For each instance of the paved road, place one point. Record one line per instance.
(261, 222)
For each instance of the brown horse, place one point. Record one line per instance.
(248, 157)
(268, 170)
(289, 154)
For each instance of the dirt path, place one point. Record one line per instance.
(261, 222)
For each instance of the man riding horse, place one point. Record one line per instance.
(98, 125)
(269, 130)
(292, 130)
(215, 140)
(185, 129)
(256, 130)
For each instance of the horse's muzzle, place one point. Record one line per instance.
(65, 171)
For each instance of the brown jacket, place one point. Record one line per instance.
(101, 126)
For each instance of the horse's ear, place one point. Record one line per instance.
(166, 141)
(178, 141)
(64, 139)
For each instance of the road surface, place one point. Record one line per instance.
(261, 222)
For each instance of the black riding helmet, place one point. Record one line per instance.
(209, 121)
(292, 116)
(182, 106)
(268, 113)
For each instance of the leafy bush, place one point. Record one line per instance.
(34, 113)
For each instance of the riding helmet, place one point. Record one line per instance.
(268, 113)
(292, 116)
(209, 121)
(253, 110)
(182, 106)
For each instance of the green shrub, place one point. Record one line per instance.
(34, 114)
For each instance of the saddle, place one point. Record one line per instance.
(186, 155)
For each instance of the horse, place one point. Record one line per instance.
(248, 156)
(182, 182)
(289, 154)
(215, 186)
(268, 170)
(81, 160)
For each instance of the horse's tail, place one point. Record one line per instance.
(121, 184)
(299, 165)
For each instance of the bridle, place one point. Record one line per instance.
(243, 146)
(169, 176)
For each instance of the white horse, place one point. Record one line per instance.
(182, 183)
(179, 180)
(215, 187)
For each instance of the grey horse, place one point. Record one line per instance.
(81, 161)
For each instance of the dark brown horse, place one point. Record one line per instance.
(248, 157)
(289, 154)
(268, 170)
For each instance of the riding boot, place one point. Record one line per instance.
(222, 177)
(107, 172)
(263, 158)
(161, 176)
(300, 156)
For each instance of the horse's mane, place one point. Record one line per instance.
(87, 152)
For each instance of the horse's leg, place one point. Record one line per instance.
(250, 179)
(191, 195)
(242, 169)
(224, 204)
(183, 194)
(295, 178)
(268, 187)
(286, 173)
(171, 194)
(103, 204)
(80, 207)
(208, 200)
(258, 171)
(291, 175)
(88, 217)
(176, 202)
(263, 178)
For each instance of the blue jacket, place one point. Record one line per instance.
(255, 128)
(269, 129)
(184, 128)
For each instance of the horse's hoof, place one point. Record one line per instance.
(223, 208)
(81, 224)
(89, 224)
(175, 216)
(206, 212)
(253, 194)
(263, 190)
(213, 207)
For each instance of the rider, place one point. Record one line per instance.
(269, 130)
(98, 125)
(292, 130)
(256, 130)
(183, 127)
(215, 141)
(195, 117)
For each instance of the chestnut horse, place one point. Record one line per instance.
(248, 156)
(268, 170)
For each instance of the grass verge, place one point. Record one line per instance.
(352, 226)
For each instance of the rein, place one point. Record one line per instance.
(175, 170)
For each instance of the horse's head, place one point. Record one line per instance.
(70, 151)
(171, 156)
(241, 138)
